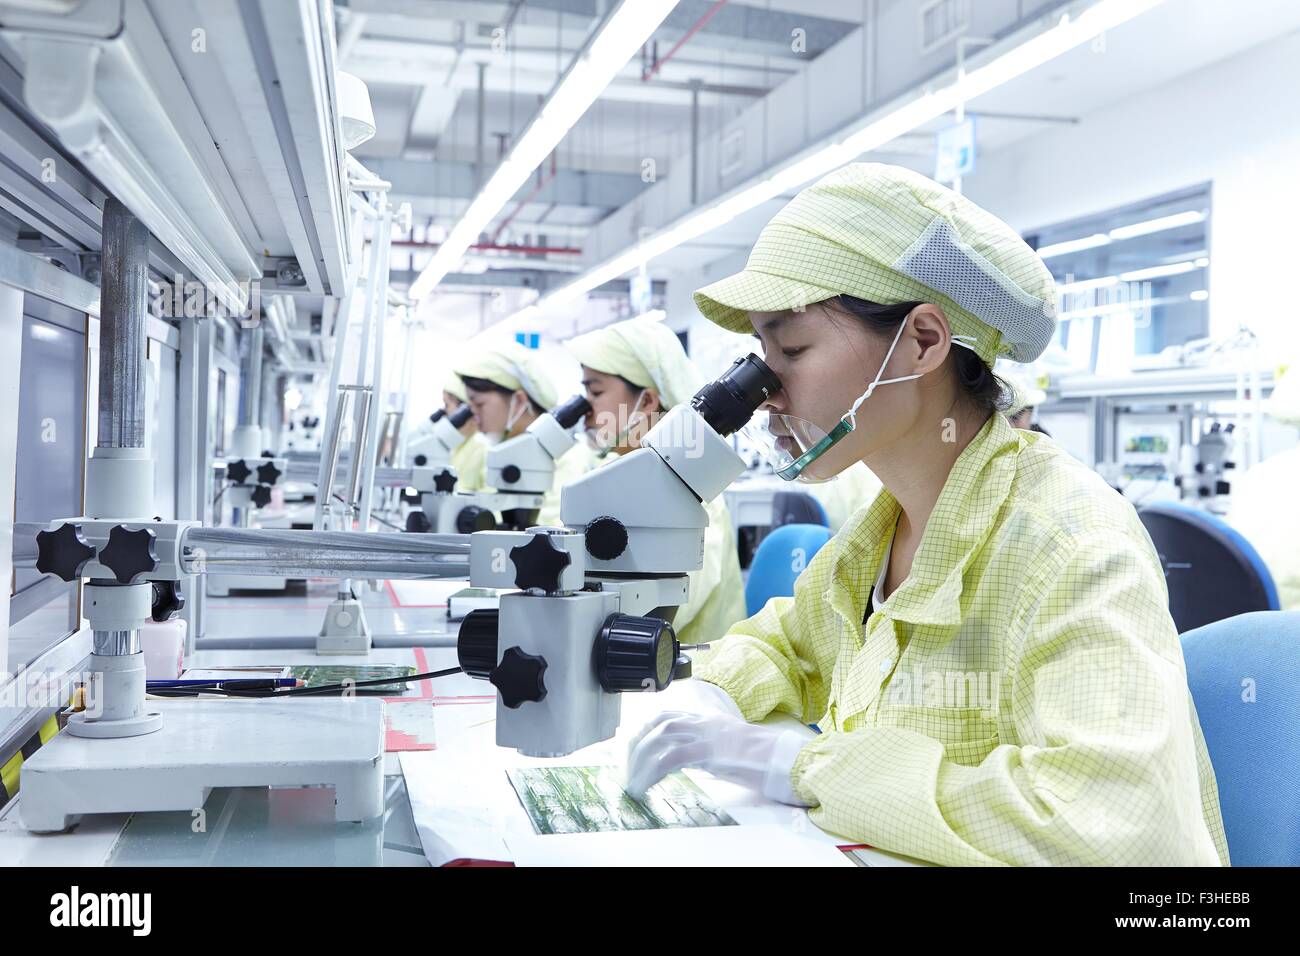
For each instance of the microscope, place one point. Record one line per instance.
(591, 615)
(520, 469)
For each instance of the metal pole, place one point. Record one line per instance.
(695, 142)
(124, 297)
(343, 554)
(481, 126)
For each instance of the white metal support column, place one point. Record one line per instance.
(11, 343)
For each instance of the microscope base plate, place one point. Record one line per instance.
(202, 744)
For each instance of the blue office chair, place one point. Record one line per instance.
(1254, 743)
(797, 507)
(778, 560)
(1213, 573)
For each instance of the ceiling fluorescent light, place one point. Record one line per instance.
(1065, 35)
(616, 41)
(1157, 272)
(1073, 245)
(1189, 218)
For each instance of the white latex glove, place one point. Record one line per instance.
(689, 696)
(694, 696)
(753, 755)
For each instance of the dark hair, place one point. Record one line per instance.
(484, 385)
(979, 386)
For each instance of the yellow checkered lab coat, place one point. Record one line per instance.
(1021, 698)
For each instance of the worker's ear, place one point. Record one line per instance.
(930, 337)
(651, 402)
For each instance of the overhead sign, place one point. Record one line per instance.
(955, 151)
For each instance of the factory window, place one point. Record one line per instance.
(1131, 281)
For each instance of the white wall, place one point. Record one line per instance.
(1235, 124)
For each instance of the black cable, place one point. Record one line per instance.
(374, 516)
(194, 689)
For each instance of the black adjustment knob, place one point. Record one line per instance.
(421, 461)
(519, 677)
(267, 473)
(168, 599)
(473, 519)
(510, 474)
(129, 554)
(261, 496)
(418, 522)
(476, 644)
(444, 480)
(635, 653)
(539, 564)
(62, 552)
(1222, 488)
(238, 471)
(606, 538)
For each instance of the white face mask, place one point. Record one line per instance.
(799, 443)
(512, 416)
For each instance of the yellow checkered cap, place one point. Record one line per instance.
(453, 386)
(645, 352)
(888, 235)
(509, 365)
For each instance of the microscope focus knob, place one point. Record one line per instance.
(63, 552)
(444, 481)
(418, 522)
(262, 496)
(238, 471)
(476, 644)
(267, 473)
(519, 677)
(129, 554)
(474, 518)
(635, 654)
(510, 474)
(167, 599)
(606, 538)
(539, 564)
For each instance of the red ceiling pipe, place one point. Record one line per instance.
(695, 28)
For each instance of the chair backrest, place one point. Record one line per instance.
(797, 507)
(1244, 674)
(1212, 571)
(780, 558)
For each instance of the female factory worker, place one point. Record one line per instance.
(633, 372)
(508, 387)
(986, 649)
(469, 459)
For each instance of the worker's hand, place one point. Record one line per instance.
(752, 755)
(689, 696)
(694, 696)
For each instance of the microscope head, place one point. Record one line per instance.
(526, 463)
(642, 513)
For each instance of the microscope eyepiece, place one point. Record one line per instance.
(461, 415)
(437, 416)
(571, 411)
(728, 402)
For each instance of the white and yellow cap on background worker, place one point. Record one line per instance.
(888, 235)
(1025, 393)
(508, 364)
(454, 387)
(644, 352)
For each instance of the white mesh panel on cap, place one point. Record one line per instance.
(940, 260)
